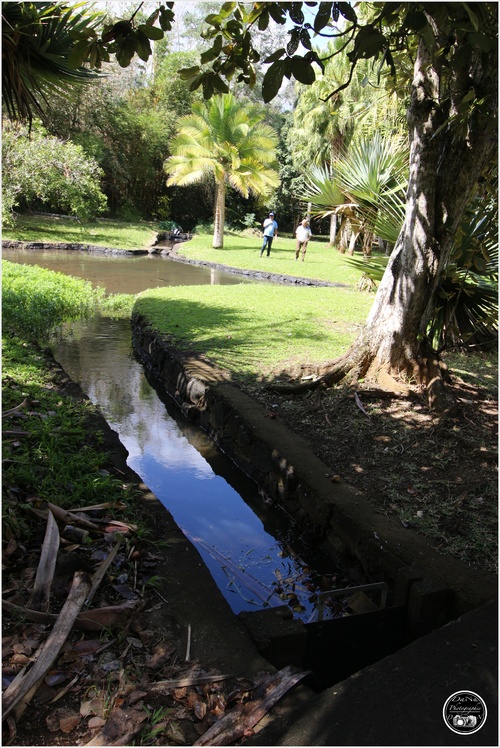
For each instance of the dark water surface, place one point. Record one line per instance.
(248, 545)
(127, 274)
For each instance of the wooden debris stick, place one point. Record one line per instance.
(188, 646)
(22, 705)
(48, 651)
(64, 690)
(68, 518)
(40, 595)
(98, 619)
(164, 686)
(101, 571)
(244, 717)
(73, 534)
(360, 405)
(8, 413)
(98, 507)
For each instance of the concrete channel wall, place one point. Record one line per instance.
(369, 546)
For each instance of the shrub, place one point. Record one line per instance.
(40, 171)
(36, 301)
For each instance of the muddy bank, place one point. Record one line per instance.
(367, 544)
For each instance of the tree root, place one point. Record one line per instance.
(430, 375)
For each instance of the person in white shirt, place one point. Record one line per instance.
(270, 231)
(303, 235)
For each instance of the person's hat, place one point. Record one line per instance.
(271, 213)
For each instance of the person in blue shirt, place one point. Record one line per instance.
(270, 231)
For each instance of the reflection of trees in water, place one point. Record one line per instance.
(165, 448)
(97, 354)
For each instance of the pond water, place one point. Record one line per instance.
(250, 547)
(127, 274)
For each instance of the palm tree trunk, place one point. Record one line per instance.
(333, 230)
(220, 211)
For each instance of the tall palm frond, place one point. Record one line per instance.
(467, 311)
(37, 41)
(322, 190)
(372, 168)
(228, 140)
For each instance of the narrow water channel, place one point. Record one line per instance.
(249, 546)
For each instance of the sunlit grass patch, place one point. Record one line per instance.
(322, 262)
(117, 305)
(257, 328)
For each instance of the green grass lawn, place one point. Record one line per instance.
(257, 329)
(321, 263)
(103, 232)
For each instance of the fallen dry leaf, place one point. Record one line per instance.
(95, 723)
(93, 706)
(62, 719)
(68, 723)
(175, 733)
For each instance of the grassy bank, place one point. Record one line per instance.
(257, 330)
(49, 453)
(102, 232)
(35, 301)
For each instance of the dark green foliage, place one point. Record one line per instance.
(37, 42)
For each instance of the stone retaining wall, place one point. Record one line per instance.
(367, 544)
(11, 244)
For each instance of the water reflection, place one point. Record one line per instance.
(126, 274)
(241, 539)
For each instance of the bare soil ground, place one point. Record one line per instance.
(437, 476)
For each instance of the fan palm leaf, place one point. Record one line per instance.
(37, 42)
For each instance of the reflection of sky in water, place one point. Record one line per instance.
(202, 502)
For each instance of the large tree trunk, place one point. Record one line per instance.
(219, 213)
(444, 168)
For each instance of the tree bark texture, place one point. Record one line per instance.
(445, 164)
(333, 230)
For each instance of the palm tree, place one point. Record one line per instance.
(38, 40)
(228, 141)
(356, 184)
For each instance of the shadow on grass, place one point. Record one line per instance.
(243, 346)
